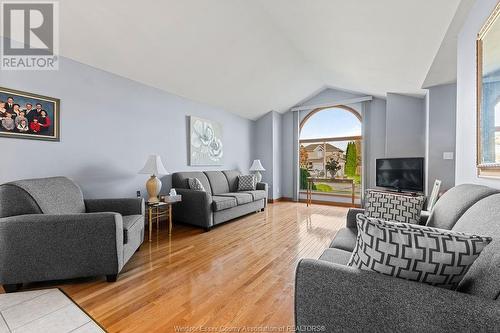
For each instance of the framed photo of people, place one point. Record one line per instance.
(25, 115)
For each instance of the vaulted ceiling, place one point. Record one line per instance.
(252, 56)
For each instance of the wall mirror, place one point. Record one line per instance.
(488, 97)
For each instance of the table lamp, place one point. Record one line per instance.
(257, 167)
(153, 167)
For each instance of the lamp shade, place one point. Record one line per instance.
(154, 166)
(257, 166)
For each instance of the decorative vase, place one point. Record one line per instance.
(153, 185)
(258, 176)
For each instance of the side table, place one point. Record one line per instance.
(311, 180)
(158, 210)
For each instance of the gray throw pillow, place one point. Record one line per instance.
(393, 206)
(418, 253)
(195, 184)
(246, 183)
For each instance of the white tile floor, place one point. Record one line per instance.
(47, 310)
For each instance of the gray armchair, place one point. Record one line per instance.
(49, 232)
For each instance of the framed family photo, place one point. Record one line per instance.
(26, 115)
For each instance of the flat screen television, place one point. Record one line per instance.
(401, 174)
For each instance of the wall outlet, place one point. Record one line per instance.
(448, 155)
(138, 193)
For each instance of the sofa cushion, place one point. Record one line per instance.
(336, 256)
(232, 179)
(54, 195)
(455, 202)
(218, 182)
(195, 184)
(393, 207)
(345, 239)
(246, 183)
(483, 218)
(257, 194)
(418, 253)
(241, 198)
(181, 180)
(128, 223)
(220, 203)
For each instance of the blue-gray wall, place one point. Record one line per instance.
(267, 148)
(263, 147)
(466, 171)
(405, 126)
(287, 153)
(277, 154)
(375, 132)
(109, 126)
(441, 113)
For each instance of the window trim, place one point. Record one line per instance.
(486, 170)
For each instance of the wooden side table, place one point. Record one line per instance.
(311, 180)
(159, 210)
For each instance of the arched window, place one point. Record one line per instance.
(331, 153)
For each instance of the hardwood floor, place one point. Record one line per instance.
(239, 274)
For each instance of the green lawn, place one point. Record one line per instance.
(342, 189)
(323, 188)
(356, 178)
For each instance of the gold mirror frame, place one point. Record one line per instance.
(483, 169)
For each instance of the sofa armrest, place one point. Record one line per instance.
(124, 206)
(262, 186)
(195, 208)
(39, 247)
(344, 298)
(351, 217)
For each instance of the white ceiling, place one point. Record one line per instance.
(252, 56)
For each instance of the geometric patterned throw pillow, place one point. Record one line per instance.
(246, 183)
(417, 253)
(195, 184)
(393, 207)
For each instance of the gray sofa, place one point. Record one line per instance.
(49, 232)
(220, 203)
(346, 299)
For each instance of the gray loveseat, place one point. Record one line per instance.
(346, 299)
(220, 202)
(49, 232)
